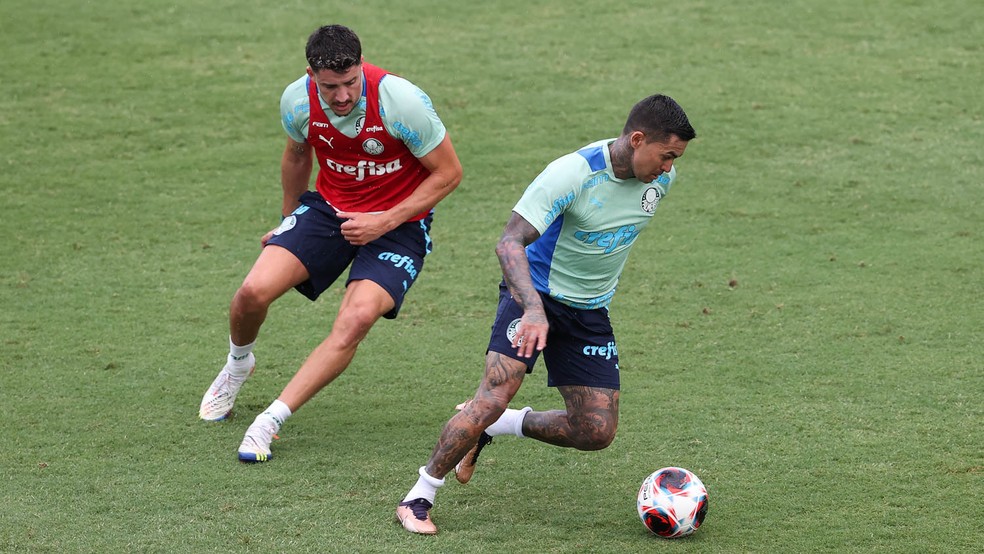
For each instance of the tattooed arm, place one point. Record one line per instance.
(511, 251)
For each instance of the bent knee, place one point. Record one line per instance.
(359, 317)
(353, 323)
(487, 411)
(598, 442)
(594, 437)
(251, 298)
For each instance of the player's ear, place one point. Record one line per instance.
(637, 139)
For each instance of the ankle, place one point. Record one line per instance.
(240, 368)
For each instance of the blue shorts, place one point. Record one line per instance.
(580, 343)
(313, 234)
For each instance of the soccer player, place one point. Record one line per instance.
(561, 253)
(385, 160)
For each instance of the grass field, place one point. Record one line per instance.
(801, 326)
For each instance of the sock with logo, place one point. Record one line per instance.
(238, 361)
(509, 423)
(425, 488)
(278, 412)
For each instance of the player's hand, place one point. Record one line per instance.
(531, 334)
(268, 235)
(362, 228)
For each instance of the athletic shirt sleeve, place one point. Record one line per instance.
(409, 115)
(295, 109)
(551, 192)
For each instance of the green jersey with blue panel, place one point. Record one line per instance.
(588, 220)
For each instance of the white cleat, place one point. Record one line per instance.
(256, 444)
(218, 400)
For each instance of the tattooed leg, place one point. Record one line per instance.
(503, 376)
(589, 422)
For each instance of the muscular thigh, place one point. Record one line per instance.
(591, 406)
(276, 270)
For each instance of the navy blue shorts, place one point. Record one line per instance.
(313, 234)
(580, 343)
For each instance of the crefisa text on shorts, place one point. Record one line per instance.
(606, 351)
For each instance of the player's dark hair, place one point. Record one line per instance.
(659, 116)
(334, 47)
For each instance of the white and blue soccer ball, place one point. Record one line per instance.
(672, 502)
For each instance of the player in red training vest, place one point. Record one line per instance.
(385, 160)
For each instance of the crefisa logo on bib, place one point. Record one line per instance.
(650, 199)
(373, 147)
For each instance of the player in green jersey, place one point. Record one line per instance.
(561, 253)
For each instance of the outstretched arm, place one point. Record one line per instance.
(511, 251)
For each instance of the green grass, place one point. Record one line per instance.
(831, 399)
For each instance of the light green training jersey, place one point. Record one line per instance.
(588, 220)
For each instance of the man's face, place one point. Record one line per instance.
(652, 159)
(340, 90)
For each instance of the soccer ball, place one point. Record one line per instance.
(672, 502)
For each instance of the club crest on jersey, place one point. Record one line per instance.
(372, 147)
(650, 199)
(359, 123)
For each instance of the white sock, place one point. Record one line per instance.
(278, 412)
(510, 423)
(239, 353)
(425, 488)
(238, 362)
